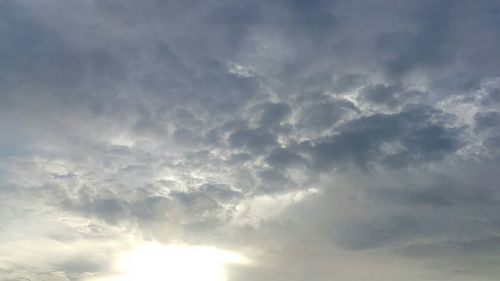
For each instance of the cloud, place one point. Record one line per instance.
(408, 137)
(317, 137)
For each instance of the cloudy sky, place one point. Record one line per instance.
(220, 140)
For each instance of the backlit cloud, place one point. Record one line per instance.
(317, 139)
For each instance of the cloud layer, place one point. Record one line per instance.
(353, 140)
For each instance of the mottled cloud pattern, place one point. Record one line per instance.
(323, 139)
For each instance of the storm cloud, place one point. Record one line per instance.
(354, 140)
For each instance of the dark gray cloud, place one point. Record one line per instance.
(408, 137)
(315, 136)
(282, 158)
(274, 113)
(255, 140)
(382, 94)
(322, 113)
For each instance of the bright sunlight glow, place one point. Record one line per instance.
(157, 262)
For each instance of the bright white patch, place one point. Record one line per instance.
(156, 262)
(241, 70)
(122, 140)
(254, 211)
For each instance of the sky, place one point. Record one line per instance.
(302, 140)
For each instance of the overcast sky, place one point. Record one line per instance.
(321, 140)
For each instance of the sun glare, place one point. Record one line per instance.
(156, 262)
